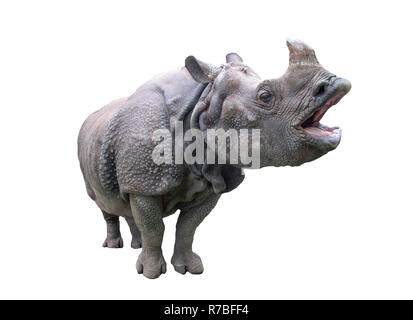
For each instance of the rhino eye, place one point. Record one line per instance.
(265, 97)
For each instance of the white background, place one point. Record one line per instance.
(339, 227)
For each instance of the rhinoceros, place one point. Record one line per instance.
(116, 145)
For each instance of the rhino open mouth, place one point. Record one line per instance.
(315, 129)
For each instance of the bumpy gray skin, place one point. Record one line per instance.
(115, 145)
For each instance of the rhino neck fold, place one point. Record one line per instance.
(222, 177)
(193, 102)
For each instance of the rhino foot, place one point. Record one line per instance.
(113, 242)
(187, 261)
(151, 263)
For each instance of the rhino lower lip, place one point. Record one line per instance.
(314, 128)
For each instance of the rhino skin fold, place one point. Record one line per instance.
(115, 145)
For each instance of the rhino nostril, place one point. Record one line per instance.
(321, 88)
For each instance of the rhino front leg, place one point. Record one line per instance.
(184, 259)
(113, 238)
(147, 213)
(136, 235)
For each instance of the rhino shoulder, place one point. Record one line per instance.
(126, 163)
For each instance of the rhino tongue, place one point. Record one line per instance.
(316, 131)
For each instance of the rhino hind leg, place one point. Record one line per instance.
(184, 259)
(113, 238)
(136, 235)
(147, 213)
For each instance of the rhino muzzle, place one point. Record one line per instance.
(327, 94)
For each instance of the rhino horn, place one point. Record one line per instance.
(300, 53)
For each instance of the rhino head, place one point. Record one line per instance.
(287, 110)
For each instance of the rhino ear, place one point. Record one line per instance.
(201, 71)
(233, 57)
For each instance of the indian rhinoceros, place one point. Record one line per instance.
(116, 144)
